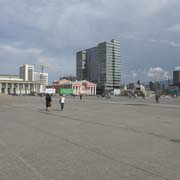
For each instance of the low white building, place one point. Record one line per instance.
(12, 84)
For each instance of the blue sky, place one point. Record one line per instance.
(52, 31)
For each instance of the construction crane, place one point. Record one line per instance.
(42, 67)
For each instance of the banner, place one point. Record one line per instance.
(50, 91)
(66, 91)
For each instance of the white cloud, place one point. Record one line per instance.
(154, 6)
(49, 63)
(157, 73)
(54, 30)
(174, 44)
(153, 40)
(177, 68)
(134, 74)
(151, 74)
(165, 41)
(26, 55)
(14, 50)
(175, 28)
(48, 14)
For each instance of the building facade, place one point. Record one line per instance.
(43, 78)
(81, 65)
(26, 72)
(176, 78)
(79, 87)
(27, 82)
(12, 84)
(101, 65)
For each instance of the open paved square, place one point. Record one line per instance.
(92, 139)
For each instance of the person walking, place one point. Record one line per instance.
(157, 97)
(48, 102)
(80, 96)
(61, 101)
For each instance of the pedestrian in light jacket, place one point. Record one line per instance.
(61, 101)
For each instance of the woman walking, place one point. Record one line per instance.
(157, 96)
(48, 101)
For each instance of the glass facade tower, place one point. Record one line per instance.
(101, 65)
(81, 65)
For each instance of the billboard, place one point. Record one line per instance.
(50, 91)
(66, 91)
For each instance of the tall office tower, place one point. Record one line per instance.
(100, 64)
(108, 57)
(26, 72)
(176, 77)
(92, 65)
(81, 65)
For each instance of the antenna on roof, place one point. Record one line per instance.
(42, 67)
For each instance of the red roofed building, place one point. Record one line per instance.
(79, 87)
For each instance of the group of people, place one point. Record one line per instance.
(49, 102)
(62, 100)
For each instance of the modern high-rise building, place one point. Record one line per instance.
(26, 72)
(101, 65)
(81, 65)
(176, 77)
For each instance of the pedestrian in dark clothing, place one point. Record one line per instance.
(48, 102)
(80, 96)
(157, 97)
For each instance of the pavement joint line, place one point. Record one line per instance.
(101, 124)
(28, 165)
(97, 152)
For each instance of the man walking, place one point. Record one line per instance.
(61, 101)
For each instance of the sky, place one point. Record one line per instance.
(50, 32)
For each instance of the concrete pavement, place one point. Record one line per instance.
(117, 139)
